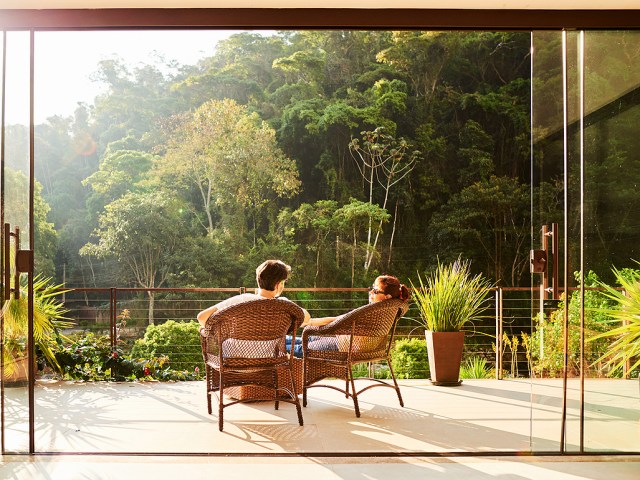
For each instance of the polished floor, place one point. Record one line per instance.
(162, 430)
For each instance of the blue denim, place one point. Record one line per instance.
(315, 343)
(297, 348)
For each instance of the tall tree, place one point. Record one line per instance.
(383, 162)
(233, 160)
(142, 231)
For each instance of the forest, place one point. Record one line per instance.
(344, 153)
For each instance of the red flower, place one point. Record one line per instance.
(197, 369)
(147, 372)
(114, 354)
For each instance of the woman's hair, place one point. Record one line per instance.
(392, 286)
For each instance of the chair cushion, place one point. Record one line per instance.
(233, 347)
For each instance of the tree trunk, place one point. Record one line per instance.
(151, 305)
(393, 232)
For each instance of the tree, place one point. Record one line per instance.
(119, 172)
(17, 214)
(319, 220)
(351, 219)
(383, 162)
(141, 230)
(232, 159)
(487, 221)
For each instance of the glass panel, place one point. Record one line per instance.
(547, 186)
(611, 229)
(16, 213)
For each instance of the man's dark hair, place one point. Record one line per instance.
(270, 273)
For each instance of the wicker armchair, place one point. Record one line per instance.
(360, 336)
(244, 345)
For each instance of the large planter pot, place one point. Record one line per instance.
(16, 373)
(445, 354)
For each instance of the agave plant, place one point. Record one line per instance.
(451, 297)
(48, 319)
(475, 367)
(626, 315)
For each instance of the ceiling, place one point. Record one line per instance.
(367, 4)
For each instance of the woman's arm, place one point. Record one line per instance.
(318, 322)
(204, 315)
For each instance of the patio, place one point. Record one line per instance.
(488, 416)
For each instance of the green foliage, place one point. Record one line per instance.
(48, 319)
(624, 314)
(475, 367)
(409, 358)
(89, 357)
(547, 340)
(16, 214)
(265, 125)
(178, 341)
(451, 298)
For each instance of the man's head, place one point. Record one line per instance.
(270, 273)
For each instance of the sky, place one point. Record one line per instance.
(65, 61)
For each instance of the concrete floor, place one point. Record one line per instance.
(488, 416)
(90, 431)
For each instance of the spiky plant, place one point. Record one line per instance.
(625, 314)
(475, 367)
(48, 318)
(451, 297)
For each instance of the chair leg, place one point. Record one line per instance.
(208, 387)
(304, 382)
(346, 384)
(395, 382)
(220, 404)
(275, 392)
(353, 387)
(295, 398)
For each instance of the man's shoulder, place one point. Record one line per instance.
(236, 299)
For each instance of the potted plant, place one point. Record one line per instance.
(48, 319)
(447, 301)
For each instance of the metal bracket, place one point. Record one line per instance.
(538, 261)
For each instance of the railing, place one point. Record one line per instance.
(102, 311)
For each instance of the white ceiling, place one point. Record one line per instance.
(422, 4)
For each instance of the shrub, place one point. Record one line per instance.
(475, 367)
(550, 333)
(89, 357)
(409, 358)
(178, 341)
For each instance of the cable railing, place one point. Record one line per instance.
(123, 314)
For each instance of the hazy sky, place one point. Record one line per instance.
(64, 62)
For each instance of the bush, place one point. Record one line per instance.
(550, 333)
(178, 341)
(409, 358)
(475, 367)
(89, 357)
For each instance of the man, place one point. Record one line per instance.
(270, 276)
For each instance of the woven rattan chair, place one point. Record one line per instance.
(244, 345)
(361, 336)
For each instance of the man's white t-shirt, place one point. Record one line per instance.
(233, 347)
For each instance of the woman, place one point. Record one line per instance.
(384, 287)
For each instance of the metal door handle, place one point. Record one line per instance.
(7, 263)
(23, 261)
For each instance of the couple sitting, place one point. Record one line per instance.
(271, 276)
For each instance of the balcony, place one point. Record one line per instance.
(511, 415)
